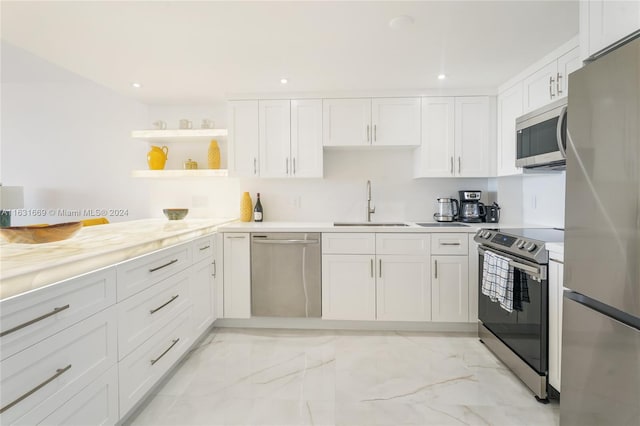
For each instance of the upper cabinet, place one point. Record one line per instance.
(509, 108)
(605, 22)
(456, 137)
(275, 138)
(550, 82)
(371, 122)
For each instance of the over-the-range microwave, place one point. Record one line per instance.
(541, 137)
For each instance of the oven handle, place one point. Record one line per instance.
(538, 272)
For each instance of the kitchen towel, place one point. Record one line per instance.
(520, 290)
(497, 280)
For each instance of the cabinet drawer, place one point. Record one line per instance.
(48, 373)
(412, 244)
(348, 243)
(141, 369)
(96, 404)
(142, 272)
(143, 315)
(203, 248)
(449, 243)
(29, 318)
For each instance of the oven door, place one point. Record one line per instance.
(524, 332)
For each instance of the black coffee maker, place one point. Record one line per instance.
(471, 209)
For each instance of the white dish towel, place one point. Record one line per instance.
(497, 280)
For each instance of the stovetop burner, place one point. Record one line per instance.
(522, 242)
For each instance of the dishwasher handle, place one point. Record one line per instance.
(266, 241)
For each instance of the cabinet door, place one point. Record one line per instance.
(509, 108)
(348, 287)
(610, 21)
(449, 289)
(403, 290)
(306, 138)
(567, 63)
(201, 283)
(346, 122)
(396, 121)
(275, 138)
(556, 269)
(472, 146)
(244, 137)
(437, 146)
(540, 87)
(237, 276)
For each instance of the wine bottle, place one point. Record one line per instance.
(257, 211)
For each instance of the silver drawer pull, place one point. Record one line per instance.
(449, 244)
(153, 311)
(153, 361)
(204, 248)
(33, 321)
(235, 236)
(59, 372)
(285, 241)
(163, 266)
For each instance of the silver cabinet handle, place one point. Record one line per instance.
(163, 266)
(235, 236)
(255, 166)
(204, 248)
(215, 268)
(173, 343)
(153, 311)
(449, 244)
(375, 132)
(294, 165)
(451, 165)
(558, 86)
(287, 165)
(551, 81)
(436, 268)
(371, 268)
(368, 133)
(59, 372)
(380, 269)
(263, 241)
(459, 166)
(35, 320)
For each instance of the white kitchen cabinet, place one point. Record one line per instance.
(509, 108)
(452, 243)
(275, 138)
(244, 136)
(450, 289)
(605, 22)
(456, 137)
(474, 270)
(403, 292)
(306, 138)
(367, 122)
(202, 295)
(550, 82)
(348, 287)
(556, 270)
(237, 275)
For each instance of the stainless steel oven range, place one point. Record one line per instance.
(519, 338)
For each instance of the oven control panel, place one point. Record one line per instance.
(513, 244)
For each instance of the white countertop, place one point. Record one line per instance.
(26, 267)
(556, 251)
(330, 227)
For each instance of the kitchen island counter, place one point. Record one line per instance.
(25, 267)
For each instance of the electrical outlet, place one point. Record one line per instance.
(534, 202)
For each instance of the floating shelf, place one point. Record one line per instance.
(180, 173)
(175, 135)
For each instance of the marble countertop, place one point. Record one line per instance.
(330, 227)
(25, 267)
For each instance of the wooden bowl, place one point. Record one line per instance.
(175, 214)
(38, 234)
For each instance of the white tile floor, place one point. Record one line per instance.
(305, 377)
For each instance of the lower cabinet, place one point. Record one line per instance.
(556, 270)
(348, 287)
(237, 275)
(203, 296)
(402, 288)
(450, 288)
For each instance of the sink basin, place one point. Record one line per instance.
(369, 224)
(440, 224)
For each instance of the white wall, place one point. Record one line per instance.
(66, 140)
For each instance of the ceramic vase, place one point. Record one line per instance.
(157, 157)
(246, 208)
(214, 155)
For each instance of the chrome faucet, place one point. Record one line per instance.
(370, 210)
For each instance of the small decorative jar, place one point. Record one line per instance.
(246, 207)
(190, 164)
(214, 155)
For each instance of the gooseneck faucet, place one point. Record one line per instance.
(370, 210)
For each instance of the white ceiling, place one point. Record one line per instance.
(196, 52)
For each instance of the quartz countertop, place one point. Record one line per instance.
(25, 267)
(330, 227)
(556, 251)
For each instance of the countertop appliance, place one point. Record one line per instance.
(285, 275)
(601, 310)
(541, 137)
(519, 338)
(493, 213)
(471, 209)
(448, 209)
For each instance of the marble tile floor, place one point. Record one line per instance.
(326, 377)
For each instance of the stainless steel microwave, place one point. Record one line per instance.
(541, 137)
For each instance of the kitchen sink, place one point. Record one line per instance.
(440, 224)
(369, 224)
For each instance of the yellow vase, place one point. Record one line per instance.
(157, 157)
(246, 207)
(214, 155)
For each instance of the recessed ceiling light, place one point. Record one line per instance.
(284, 81)
(399, 22)
(441, 76)
(136, 85)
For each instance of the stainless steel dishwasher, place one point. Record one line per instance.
(285, 275)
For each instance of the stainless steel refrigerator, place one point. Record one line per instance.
(600, 382)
